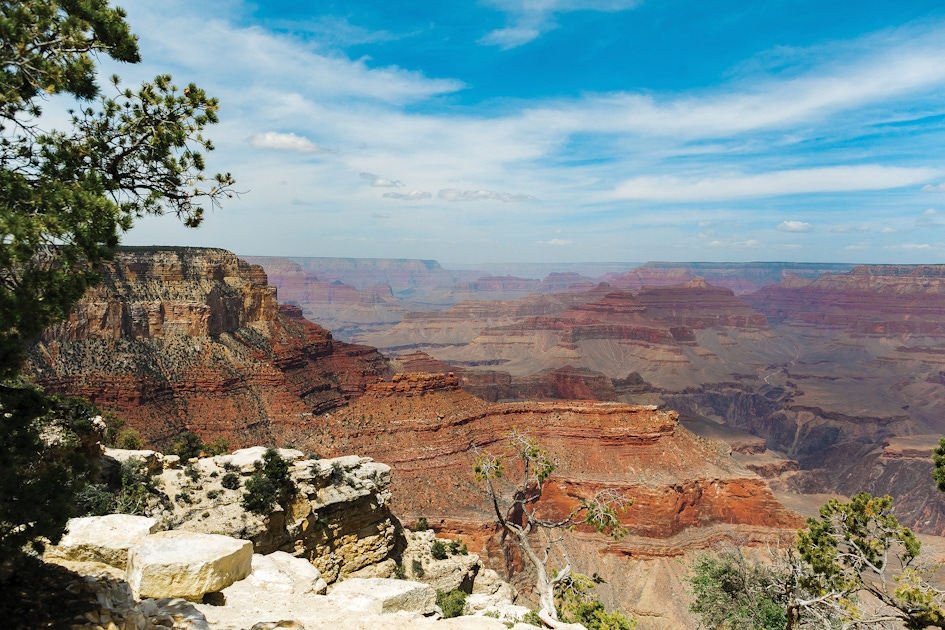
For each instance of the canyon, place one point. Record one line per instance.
(713, 407)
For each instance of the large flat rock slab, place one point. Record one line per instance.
(382, 596)
(104, 539)
(186, 564)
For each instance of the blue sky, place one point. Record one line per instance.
(565, 130)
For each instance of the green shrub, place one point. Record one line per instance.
(213, 494)
(451, 603)
(417, 568)
(95, 499)
(532, 619)
(187, 445)
(458, 547)
(129, 439)
(438, 550)
(230, 481)
(400, 573)
(219, 446)
(192, 472)
(268, 485)
(421, 525)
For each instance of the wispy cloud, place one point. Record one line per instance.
(794, 226)
(285, 142)
(413, 195)
(557, 242)
(791, 182)
(849, 229)
(454, 194)
(933, 188)
(380, 182)
(528, 19)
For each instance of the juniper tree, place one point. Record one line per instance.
(515, 503)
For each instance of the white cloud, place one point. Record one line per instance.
(556, 242)
(848, 229)
(932, 188)
(413, 195)
(929, 212)
(530, 18)
(380, 182)
(455, 194)
(285, 142)
(861, 246)
(794, 226)
(749, 244)
(790, 182)
(910, 246)
(380, 215)
(889, 230)
(299, 202)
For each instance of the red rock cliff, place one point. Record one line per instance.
(193, 339)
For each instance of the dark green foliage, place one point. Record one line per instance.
(95, 499)
(219, 446)
(65, 196)
(187, 445)
(532, 619)
(451, 603)
(191, 472)
(729, 591)
(213, 494)
(938, 459)
(421, 525)
(400, 573)
(230, 481)
(129, 439)
(114, 424)
(575, 603)
(438, 550)
(260, 494)
(45, 444)
(122, 157)
(417, 568)
(593, 616)
(458, 547)
(268, 485)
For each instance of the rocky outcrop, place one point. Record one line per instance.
(194, 339)
(103, 539)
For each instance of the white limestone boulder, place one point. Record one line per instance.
(152, 461)
(104, 539)
(382, 596)
(247, 459)
(187, 565)
(282, 572)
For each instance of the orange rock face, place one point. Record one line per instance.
(678, 481)
(194, 339)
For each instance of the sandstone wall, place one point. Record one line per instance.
(194, 339)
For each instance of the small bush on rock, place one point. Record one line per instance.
(130, 440)
(421, 525)
(451, 603)
(417, 568)
(187, 445)
(230, 481)
(268, 485)
(438, 550)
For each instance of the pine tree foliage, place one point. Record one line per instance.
(66, 195)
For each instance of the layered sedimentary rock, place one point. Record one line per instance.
(870, 299)
(672, 336)
(194, 339)
(742, 278)
(688, 492)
